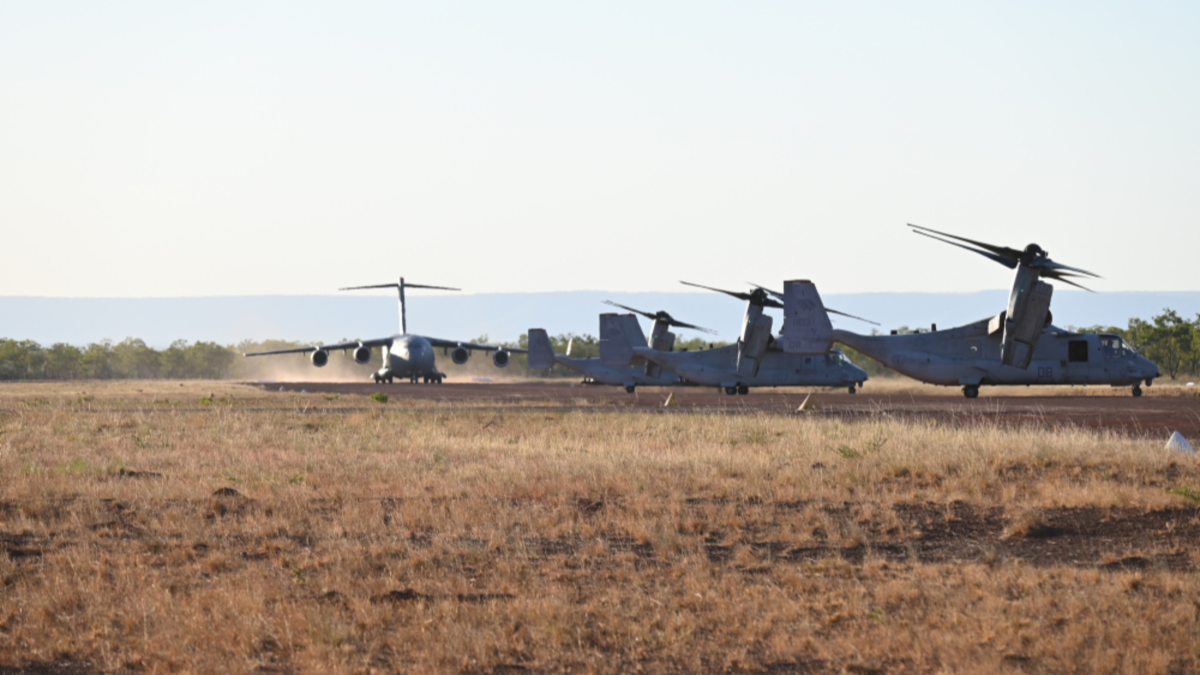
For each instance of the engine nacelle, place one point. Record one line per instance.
(319, 358)
(460, 355)
(500, 358)
(362, 354)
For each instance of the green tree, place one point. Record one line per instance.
(96, 362)
(63, 361)
(1168, 341)
(21, 360)
(133, 359)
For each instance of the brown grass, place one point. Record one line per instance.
(147, 531)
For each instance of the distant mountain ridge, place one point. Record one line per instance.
(505, 316)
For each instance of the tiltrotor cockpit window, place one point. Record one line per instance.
(1114, 347)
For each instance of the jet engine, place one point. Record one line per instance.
(460, 355)
(500, 358)
(362, 354)
(320, 357)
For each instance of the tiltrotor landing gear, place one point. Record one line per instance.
(731, 391)
(853, 390)
(739, 389)
(1137, 391)
(971, 391)
(630, 388)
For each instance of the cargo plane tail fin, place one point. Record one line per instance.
(541, 352)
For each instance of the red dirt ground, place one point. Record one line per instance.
(1148, 415)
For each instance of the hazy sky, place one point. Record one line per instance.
(164, 149)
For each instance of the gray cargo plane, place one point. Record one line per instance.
(1017, 346)
(757, 360)
(404, 355)
(632, 374)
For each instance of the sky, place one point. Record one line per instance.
(230, 148)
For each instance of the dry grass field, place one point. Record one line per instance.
(211, 527)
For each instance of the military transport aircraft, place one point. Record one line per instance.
(404, 355)
(1017, 346)
(631, 375)
(757, 360)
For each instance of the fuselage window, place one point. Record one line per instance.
(1077, 351)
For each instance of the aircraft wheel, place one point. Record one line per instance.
(731, 391)
(439, 379)
(971, 391)
(852, 389)
(743, 390)
(375, 377)
(631, 388)
(1137, 391)
(390, 379)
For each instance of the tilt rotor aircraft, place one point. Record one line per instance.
(628, 372)
(1017, 346)
(404, 355)
(758, 360)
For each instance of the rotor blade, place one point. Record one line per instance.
(1050, 264)
(680, 324)
(774, 293)
(648, 315)
(1003, 251)
(1059, 277)
(440, 288)
(739, 296)
(1009, 263)
(355, 288)
(827, 309)
(834, 311)
(662, 316)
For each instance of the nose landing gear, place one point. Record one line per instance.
(971, 391)
(1137, 391)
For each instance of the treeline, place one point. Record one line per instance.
(129, 359)
(1168, 339)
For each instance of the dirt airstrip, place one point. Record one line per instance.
(1149, 415)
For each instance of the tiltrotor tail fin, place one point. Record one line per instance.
(806, 327)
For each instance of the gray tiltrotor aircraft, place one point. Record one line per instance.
(757, 360)
(404, 355)
(1017, 346)
(616, 330)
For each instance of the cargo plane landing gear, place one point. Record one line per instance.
(971, 391)
(1137, 391)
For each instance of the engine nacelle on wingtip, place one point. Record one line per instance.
(460, 355)
(362, 354)
(500, 358)
(319, 358)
